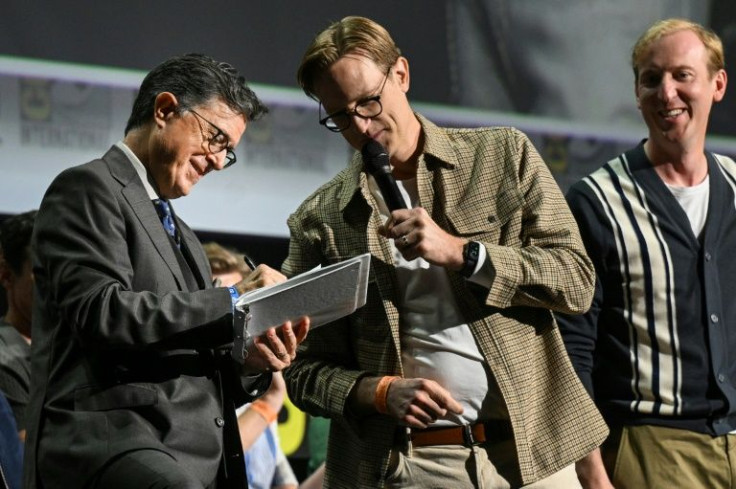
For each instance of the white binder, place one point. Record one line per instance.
(324, 294)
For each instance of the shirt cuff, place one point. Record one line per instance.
(233, 295)
(256, 385)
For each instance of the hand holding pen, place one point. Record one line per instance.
(260, 276)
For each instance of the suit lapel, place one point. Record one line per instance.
(139, 201)
(194, 255)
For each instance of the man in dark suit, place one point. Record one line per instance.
(133, 383)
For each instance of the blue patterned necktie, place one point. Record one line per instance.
(167, 219)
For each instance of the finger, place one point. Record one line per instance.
(272, 348)
(445, 401)
(268, 276)
(249, 282)
(278, 347)
(421, 415)
(269, 356)
(398, 224)
(400, 215)
(271, 273)
(383, 231)
(404, 241)
(302, 328)
(270, 341)
(413, 422)
(399, 230)
(429, 406)
(289, 339)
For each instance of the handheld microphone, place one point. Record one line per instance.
(376, 163)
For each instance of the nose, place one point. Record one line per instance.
(361, 123)
(667, 88)
(215, 160)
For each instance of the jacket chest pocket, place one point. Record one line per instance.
(489, 218)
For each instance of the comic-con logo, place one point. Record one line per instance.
(35, 99)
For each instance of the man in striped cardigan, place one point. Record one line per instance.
(657, 349)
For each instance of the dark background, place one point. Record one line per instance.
(263, 39)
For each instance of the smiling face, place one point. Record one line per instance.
(675, 91)
(354, 78)
(179, 151)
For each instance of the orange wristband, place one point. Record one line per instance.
(382, 393)
(265, 410)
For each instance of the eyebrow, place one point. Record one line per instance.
(376, 93)
(357, 103)
(217, 128)
(220, 131)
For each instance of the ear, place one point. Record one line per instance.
(401, 71)
(164, 107)
(721, 80)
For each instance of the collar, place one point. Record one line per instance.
(139, 169)
(437, 144)
(438, 150)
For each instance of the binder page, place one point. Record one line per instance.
(324, 294)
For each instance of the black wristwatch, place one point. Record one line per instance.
(471, 253)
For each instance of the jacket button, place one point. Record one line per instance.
(219, 422)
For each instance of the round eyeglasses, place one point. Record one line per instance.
(366, 108)
(218, 142)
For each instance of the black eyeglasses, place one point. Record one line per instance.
(366, 109)
(220, 141)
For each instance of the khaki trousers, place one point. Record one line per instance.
(655, 457)
(459, 467)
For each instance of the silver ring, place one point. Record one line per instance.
(404, 240)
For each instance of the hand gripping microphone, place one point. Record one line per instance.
(376, 163)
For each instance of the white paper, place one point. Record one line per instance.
(323, 294)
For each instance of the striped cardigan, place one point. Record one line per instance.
(658, 346)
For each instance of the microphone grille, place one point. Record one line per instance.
(375, 157)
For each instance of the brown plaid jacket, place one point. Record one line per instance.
(488, 185)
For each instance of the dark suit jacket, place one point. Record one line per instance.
(127, 342)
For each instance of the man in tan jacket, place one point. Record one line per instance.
(454, 373)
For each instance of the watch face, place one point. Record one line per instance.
(471, 252)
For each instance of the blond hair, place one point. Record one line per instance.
(223, 260)
(662, 28)
(350, 35)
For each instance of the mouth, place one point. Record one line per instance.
(672, 113)
(374, 135)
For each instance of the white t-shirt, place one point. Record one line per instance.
(694, 200)
(436, 343)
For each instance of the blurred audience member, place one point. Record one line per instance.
(11, 449)
(16, 278)
(267, 466)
